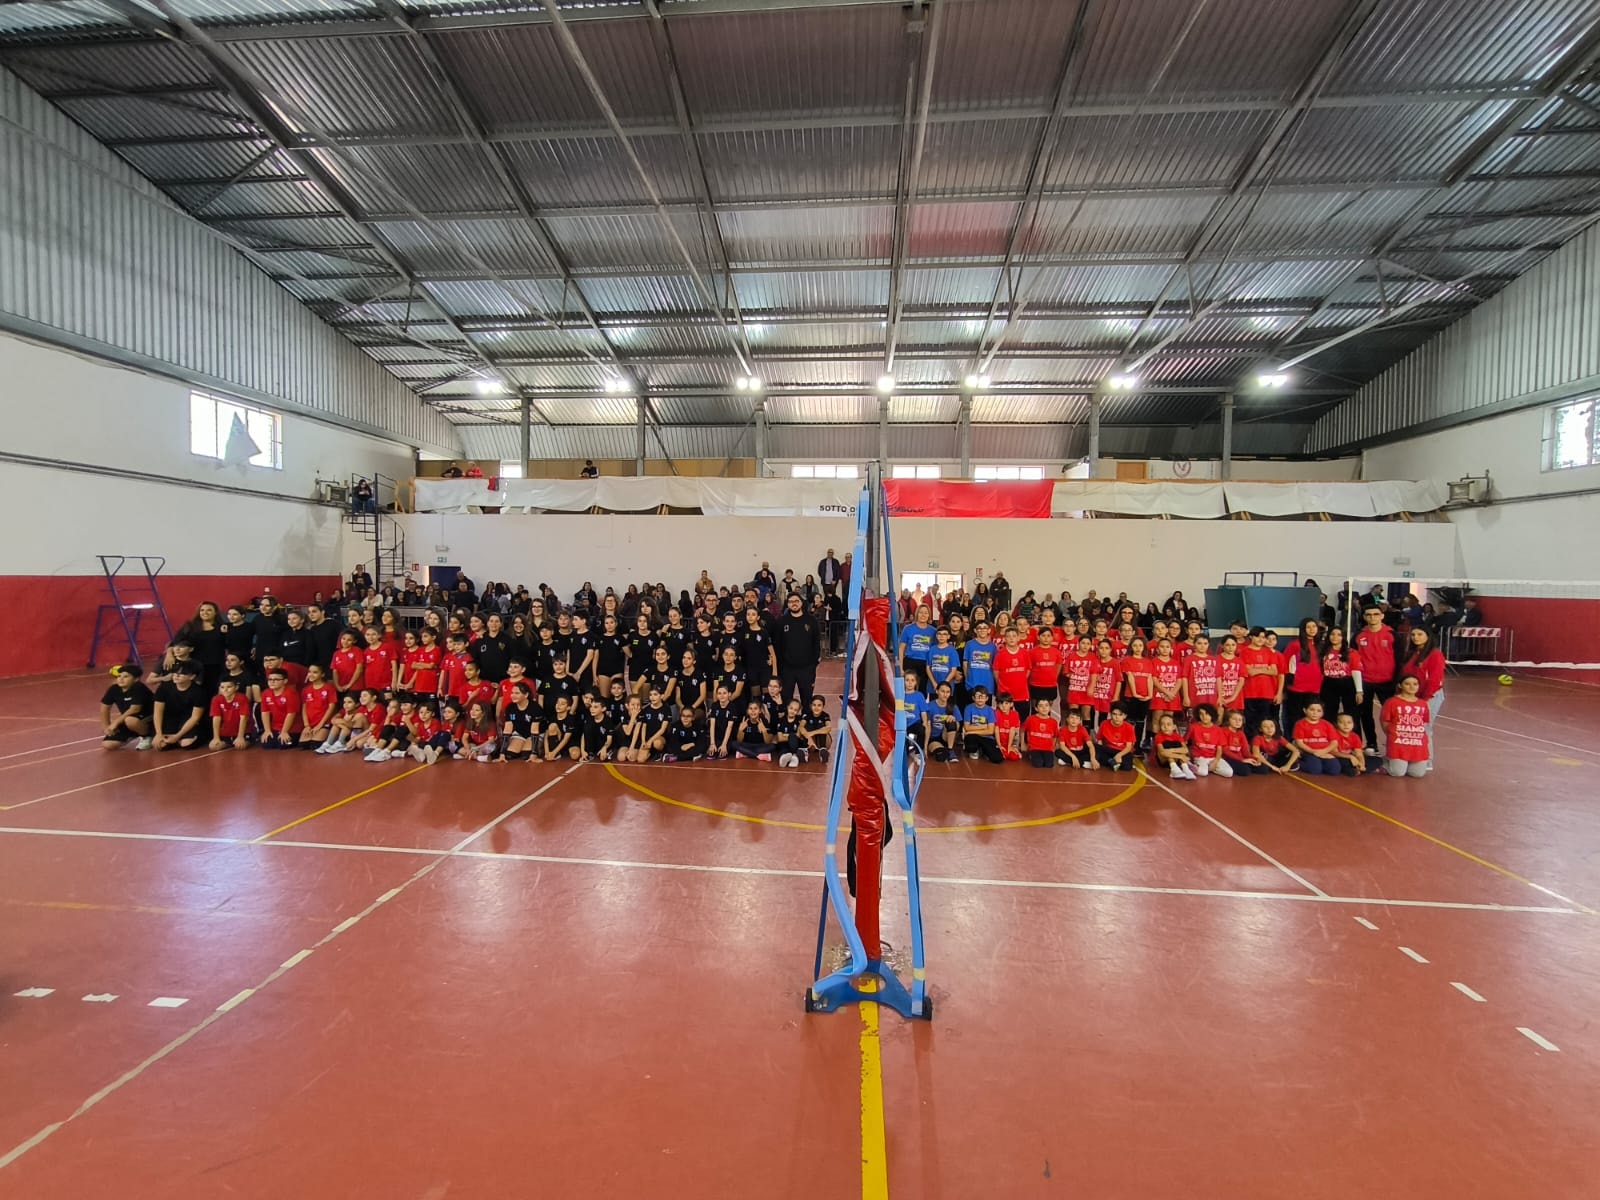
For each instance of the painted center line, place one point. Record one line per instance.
(1467, 992)
(1412, 954)
(1541, 1042)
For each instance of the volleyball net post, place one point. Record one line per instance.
(874, 781)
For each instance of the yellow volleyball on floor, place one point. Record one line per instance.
(1505, 681)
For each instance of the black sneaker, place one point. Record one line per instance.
(822, 754)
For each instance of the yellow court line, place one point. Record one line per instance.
(874, 1140)
(336, 804)
(1440, 842)
(145, 909)
(1126, 794)
(710, 812)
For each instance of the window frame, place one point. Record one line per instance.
(1552, 439)
(229, 405)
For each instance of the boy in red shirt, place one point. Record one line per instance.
(453, 670)
(1405, 726)
(1374, 646)
(1348, 746)
(1012, 664)
(1317, 740)
(230, 717)
(317, 702)
(1039, 731)
(1077, 747)
(1119, 738)
(1008, 728)
(280, 711)
(1262, 680)
(1044, 671)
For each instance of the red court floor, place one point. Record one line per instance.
(281, 975)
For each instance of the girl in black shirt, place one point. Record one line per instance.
(756, 650)
(611, 653)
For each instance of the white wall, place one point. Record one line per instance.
(1333, 470)
(70, 408)
(1146, 558)
(1552, 538)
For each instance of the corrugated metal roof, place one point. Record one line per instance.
(822, 410)
(1422, 43)
(1029, 410)
(800, 111)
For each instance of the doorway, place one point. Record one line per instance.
(918, 582)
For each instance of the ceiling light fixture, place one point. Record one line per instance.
(975, 382)
(1123, 383)
(886, 384)
(617, 383)
(748, 383)
(491, 387)
(1274, 379)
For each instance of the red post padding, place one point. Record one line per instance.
(866, 795)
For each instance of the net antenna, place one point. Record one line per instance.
(872, 767)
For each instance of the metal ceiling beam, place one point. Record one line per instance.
(1483, 148)
(1260, 168)
(913, 138)
(580, 63)
(1038, 163)
(705, 204)
(713, 126)
(1569, 229)
(245, 91)
(1208, 389)
(470, 125)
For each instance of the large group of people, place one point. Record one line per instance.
(502, 673)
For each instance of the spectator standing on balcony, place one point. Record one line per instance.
(474, 472)
(453, 471)
(1000, 591)
(362, 498)
(360, 581)
(590, 471)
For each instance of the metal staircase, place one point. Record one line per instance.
(134, 596)
(380, 530)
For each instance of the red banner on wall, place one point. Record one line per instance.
(941, 498)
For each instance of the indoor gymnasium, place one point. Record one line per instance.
(935, 599)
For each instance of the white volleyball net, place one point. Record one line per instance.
(1508, 626)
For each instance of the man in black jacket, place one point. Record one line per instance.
(829, 574)
(798, 640)
(322, 634)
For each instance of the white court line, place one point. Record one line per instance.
(1542, 1043)
(34, 762)
(168, 1002)
(1412, 954)
(42, 749)
(1517, 738)
(1367, 924)
(801, 873)
(34, 993)
(227, 1006)
(1467, 992)
(1250, 846)
(188, 756)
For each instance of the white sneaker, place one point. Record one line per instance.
(790, 760)
(1177, 772)
(1188, 772)
(144, 743)
(397, 754)
(377, 756)
(325, 748)
(430, 754)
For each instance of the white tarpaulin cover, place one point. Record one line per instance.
(837, 497)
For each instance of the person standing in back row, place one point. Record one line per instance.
(829, 573)
(1375, 650)
(798, 641)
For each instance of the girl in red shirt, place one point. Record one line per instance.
(347, 663)
(1138, 685)
(1318, 743)
(1237, 754)
(1039, 734)
(1168, 748)
(1076, 669)
(428, 734)
(342, 726)
(1406, 717)
(425, 664)
(410, 646)
(1103, 680)
(1303, 665)
(1205, 745)
(1424, 660)
(1167, 679)
(480, 736)
(1008, 728)
(1200, 679)
(1272, 752)
(378, 663)
(1341, 676)
(1230, 676)
(317, 702)
(1077, 748)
